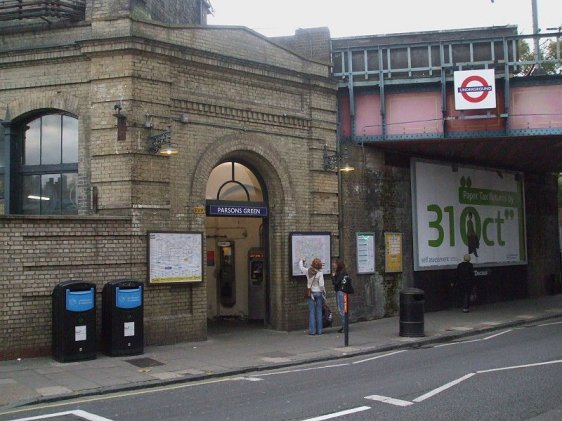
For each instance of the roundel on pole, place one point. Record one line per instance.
(475, 89)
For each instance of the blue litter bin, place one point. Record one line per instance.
(123, 317)
(74, 321)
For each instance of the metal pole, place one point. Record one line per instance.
(536, 30)
(346, 318)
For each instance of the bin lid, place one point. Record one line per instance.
(73, 285)
(124, 283)
(411, 291)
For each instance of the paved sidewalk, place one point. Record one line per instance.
(240, 348)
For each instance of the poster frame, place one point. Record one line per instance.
(415, 237)
(372, 241)
(150, 263)
(327, 260)
(388, 267)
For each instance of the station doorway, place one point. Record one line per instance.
(236, 229)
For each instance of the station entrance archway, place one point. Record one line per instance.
(236, 229)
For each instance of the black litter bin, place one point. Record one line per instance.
(74, 321)
(122, 317)
(411, 312)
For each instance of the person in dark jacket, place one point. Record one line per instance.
(338, 273)
(465, 281)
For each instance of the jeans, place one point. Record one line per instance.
(315, 313)
(339, 301)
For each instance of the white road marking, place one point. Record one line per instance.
(339, 414)
(386, 399)
(519, 366)
(473, 340)
(299, 370)
(79, 413)
(442, 388)
(378, 356)
(497, 334)
(249, 379)
(550, 324)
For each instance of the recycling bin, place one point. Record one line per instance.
(74, 321)
(123, 317)
(411, 312)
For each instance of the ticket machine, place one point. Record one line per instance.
(256, 284)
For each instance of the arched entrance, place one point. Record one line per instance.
(236, 229)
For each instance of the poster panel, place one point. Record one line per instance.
(392, 252)
(365, 242)
(310, 245)
(460, 210)
(175, 257)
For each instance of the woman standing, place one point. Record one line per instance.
(338, 273)
(315, 281)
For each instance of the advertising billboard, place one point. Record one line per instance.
(458, 210)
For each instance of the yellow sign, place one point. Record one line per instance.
(199, 210)
(392, 252)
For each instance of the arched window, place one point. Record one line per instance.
(232, 181)
(45, 166)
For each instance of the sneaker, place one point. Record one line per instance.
(340, 330)
(465, 310)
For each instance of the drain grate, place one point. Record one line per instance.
(144, 362)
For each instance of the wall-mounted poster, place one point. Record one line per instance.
(365, 252)
(175, 257)
(392, 252)
(310, 245)
(460, 210)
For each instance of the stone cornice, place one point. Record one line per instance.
(246, 114)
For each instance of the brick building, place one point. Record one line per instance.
(81, 98)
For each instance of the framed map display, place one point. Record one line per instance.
(175, 257)
(310, 245)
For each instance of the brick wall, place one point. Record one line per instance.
(246, 98)
(183, 12)
(36, 253)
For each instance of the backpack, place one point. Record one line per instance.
(346, 285)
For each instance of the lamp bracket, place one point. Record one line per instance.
(156, 141)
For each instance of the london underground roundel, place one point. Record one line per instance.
(475, 89)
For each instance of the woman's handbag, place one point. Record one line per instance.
(307, 293)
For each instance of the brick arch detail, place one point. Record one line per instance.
(254, 150)
(33, 102)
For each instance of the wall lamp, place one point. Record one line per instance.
(339, 161)
(159, 143)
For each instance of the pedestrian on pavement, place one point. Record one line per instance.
(315, 281)
(338, 273)
(465, 281)
(473, 240)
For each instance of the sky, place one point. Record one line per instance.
(348, 18)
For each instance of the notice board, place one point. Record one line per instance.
(310, 245)
(175, 257)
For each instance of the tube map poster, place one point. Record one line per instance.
(310, 245)
(460, 210)
(175, 257)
